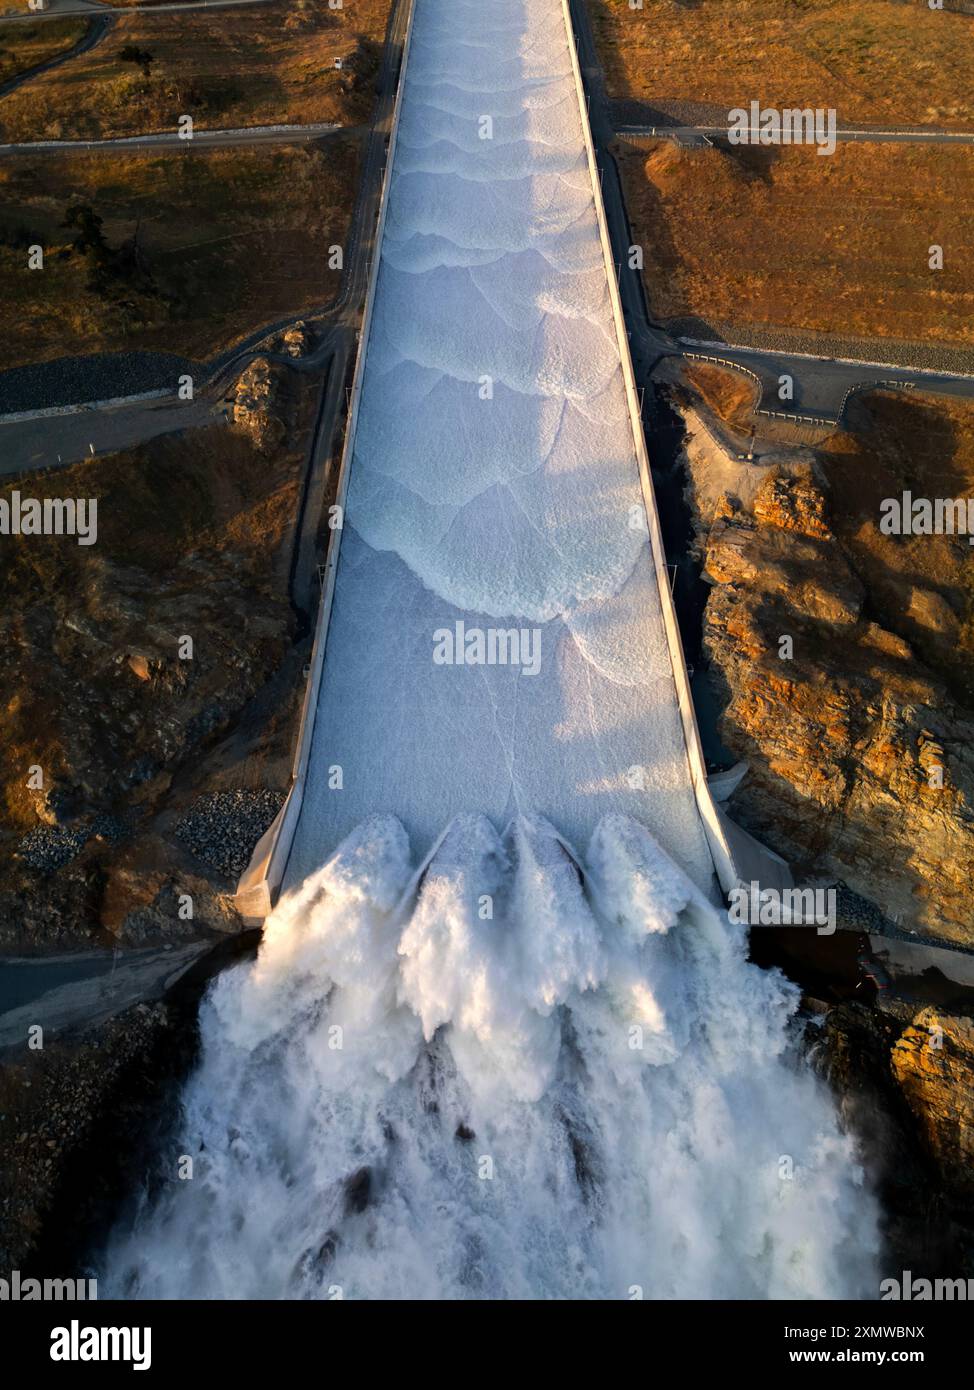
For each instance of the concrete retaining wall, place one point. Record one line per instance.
(738, 858)
(261, 881)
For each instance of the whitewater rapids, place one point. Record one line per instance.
(523, 1056)
(585, 1095)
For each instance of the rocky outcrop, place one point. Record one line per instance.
(902, 1075)
(127, 665)
(152, 891)
(861, 763)
(296, 340)
(933, 1063)
(259, 406)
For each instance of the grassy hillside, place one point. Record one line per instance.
(788, 239)
(24, 46)
(263, 65)
(194, 249)
(874, 60)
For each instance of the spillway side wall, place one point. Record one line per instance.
(713, 822)
(261, 880)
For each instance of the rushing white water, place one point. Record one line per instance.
(494, 479)
(584, 1094)
(495, 1074)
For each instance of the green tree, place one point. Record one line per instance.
(142, 58)
(91, 244)
(90, 239)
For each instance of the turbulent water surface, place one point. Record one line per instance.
(498, 1041)
(518, 511)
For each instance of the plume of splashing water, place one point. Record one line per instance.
(502, 1076)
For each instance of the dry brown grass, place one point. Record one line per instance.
(177, 517)
(228, 239)
(24, 46)
(266, 65)
(786, 238)
(730, 395)
(874, 60)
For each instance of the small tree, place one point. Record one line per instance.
(142, 58)
(86, 221)
(91, 244)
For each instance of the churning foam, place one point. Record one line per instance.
(586, 1093)
(495, 1073)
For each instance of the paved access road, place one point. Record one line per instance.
(98, 28)
(47, 441)
(822, 384)
(61, 9)
(171, 139)
(60, 1001)
(891, 135)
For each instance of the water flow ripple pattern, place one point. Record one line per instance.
(518, 509)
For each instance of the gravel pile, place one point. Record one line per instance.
(50, 847)
(855, 911)
(222, 828)
(95, 377)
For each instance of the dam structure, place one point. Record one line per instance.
(500, 1041)
(494, 496)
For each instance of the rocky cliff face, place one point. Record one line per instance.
(904, 1077)
(861, 763)
(933, 1064)
(839, 691)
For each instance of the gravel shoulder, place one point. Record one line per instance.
(99, 376)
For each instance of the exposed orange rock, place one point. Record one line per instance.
(861, 762)
(933, 1063)
(793, 503)
(259, 404)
